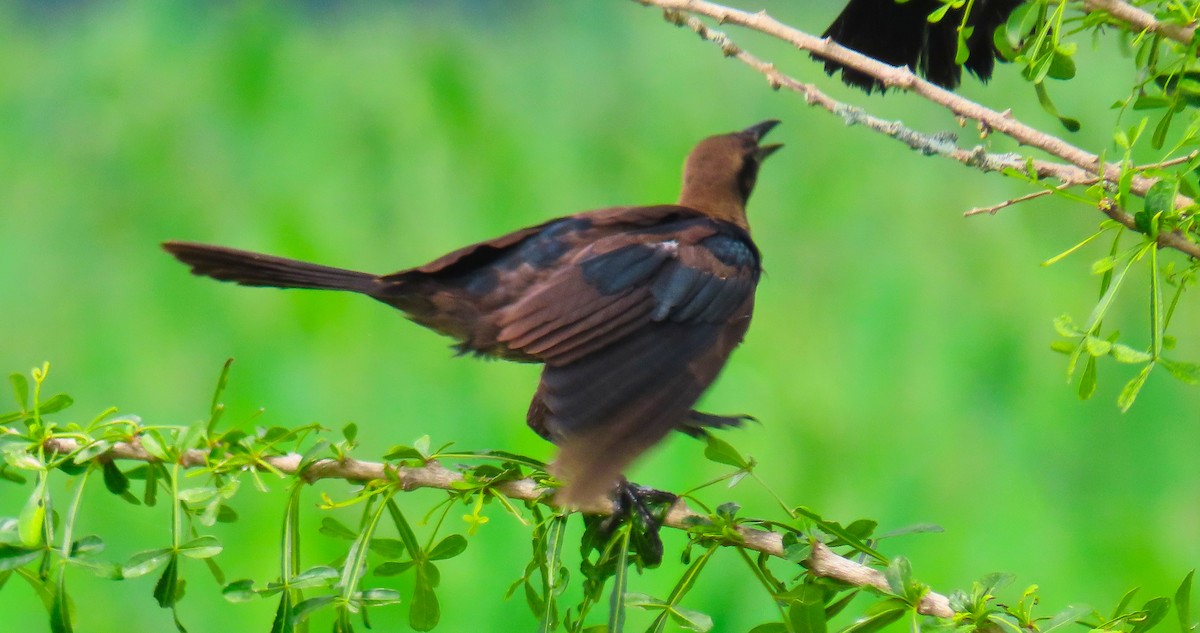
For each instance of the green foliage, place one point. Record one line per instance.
(39, 548)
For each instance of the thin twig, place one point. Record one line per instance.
(1019, 199)
(1142, 20)
(1083, 166)
(822, 562)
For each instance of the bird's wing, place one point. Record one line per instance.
(632, 333)
(695, 272)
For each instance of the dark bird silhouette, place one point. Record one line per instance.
(632, 310)
(901, 34)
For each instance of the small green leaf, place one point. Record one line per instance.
(350, 432)
(166, 590)
(87, 546)
(205, 546)
(321, 575)
(306, 608)
(143, 563)
(722, 452)
(151, 440)
(770, 627)
(877, 621)
(1097, 346)
(20, 385)
(807, 613)
(1129, 393)
(1087, 382)
(1155, 610)
(56, 403)
(899, 575)
(114, 479)
(1186, 372)
(448, 547)
(1160, 198)
(332, 527)
(31, 521)
(1183, 603)
(12, 557)
(239, 591)
(424, 612)
(1128, 355)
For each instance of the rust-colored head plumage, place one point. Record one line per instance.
(720, 172)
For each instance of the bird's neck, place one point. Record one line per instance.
(726, 207)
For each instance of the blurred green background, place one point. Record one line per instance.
(898, 360)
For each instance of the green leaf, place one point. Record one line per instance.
(56, 403)
(899, 575)
(1062, 66)
(30, 523)
(393, 568)
(1183, 603)
(12, 556)
(239, 591)
(1066, 327)
(114, 479)
(205, 546)
(350, 432)
(1155, 610)
(306, 608)
(1160, 198)
(60, 611)
(916, 528)
(875, 622)
(1186, 372)
(448, 547)
(770, 627)
(20, 385)
(722, 452)
(692, 620)
(166, 590)
(1097, 346)
(424, 613)
(143, 563)
(807, 613)
(1127, 355)
(1087, 382)
(332, 527)
(1048, 105)
(321, 575)
(87, 546)
(379, 596)
(152, 441)
(1129, 393)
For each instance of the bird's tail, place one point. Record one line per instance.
(255, 269)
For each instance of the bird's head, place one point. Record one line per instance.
(720, 173)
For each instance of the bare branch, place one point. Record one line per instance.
(1083, 167)
(1141, 20)
(1019, 199)
(822, 562)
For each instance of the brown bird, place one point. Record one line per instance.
(900, 34)
(632, 310)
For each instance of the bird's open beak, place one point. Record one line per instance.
(757, 132)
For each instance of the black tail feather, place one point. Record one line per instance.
(255, 269)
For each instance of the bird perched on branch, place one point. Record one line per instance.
(900, 34)
(632, 310)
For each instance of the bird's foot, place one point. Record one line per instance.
(643, 508)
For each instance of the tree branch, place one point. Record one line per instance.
(822, 562)
(1142, 20)
(1083, 167)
